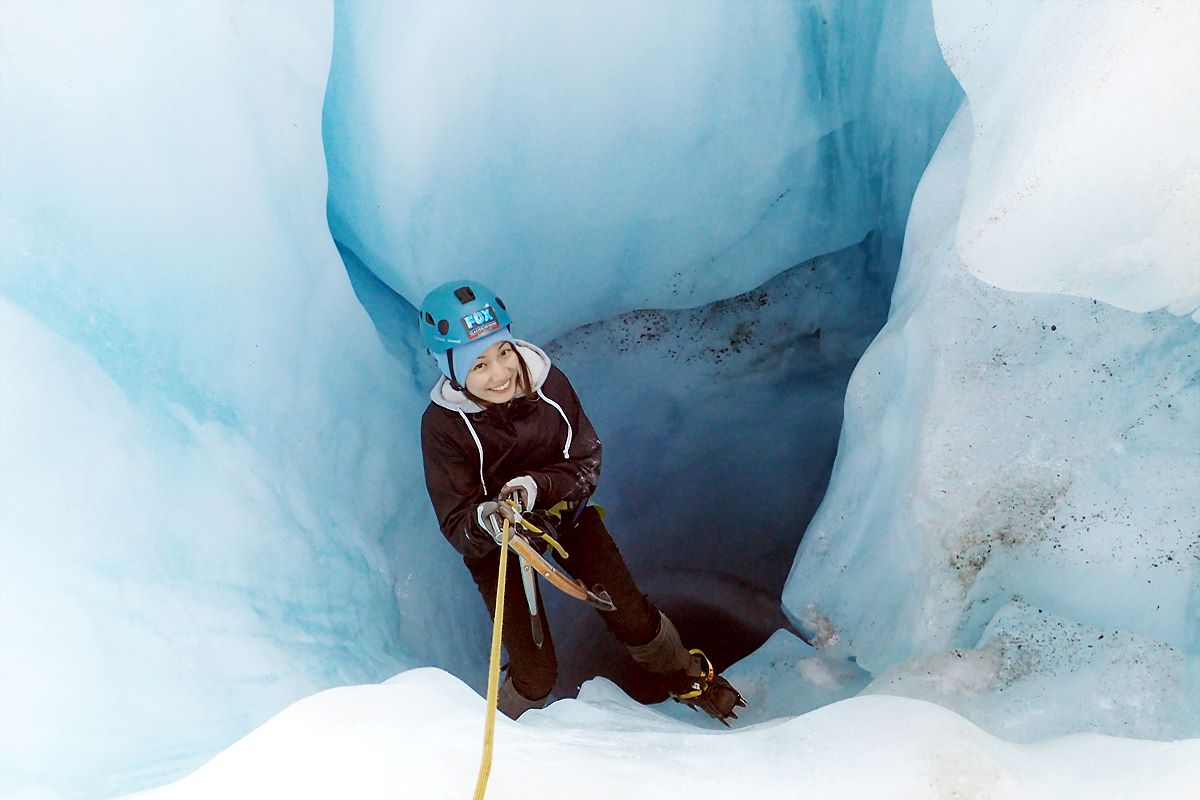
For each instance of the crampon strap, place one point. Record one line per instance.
(711, 693)
(703, 680)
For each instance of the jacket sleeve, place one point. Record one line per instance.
(452, 478)
(573, 479)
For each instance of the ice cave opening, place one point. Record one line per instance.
(720, 425)
(715, 375)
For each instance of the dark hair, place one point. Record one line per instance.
(524, 381)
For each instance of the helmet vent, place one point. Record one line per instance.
(458, 312)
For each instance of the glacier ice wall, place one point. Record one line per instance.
(600, 161)
(1063, 100)
(1004, 451)
(212, 498)
(720, 425)
(1033, 675)
(203, 442)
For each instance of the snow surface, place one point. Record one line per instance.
(419, 735)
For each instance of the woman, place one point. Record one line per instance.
(505, 425)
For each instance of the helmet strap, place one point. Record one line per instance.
(450, 363)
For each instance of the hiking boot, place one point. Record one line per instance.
(689, 674)
(701, 688)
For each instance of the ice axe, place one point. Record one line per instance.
(531, 558)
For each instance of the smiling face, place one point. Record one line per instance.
(496, 374)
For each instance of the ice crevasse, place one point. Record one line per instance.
(197, 412)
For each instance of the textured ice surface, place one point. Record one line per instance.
(211, 480)
(613, 160)
(419, 736)
(1085, 160)
(1003, 447)
(665, 159)
(202, 441)
(786, 677)
(1033, 675)
(710, 476)
(159, 594)
(211, 491)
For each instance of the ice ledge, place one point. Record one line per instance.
(418, 735)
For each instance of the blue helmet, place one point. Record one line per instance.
(461, 315)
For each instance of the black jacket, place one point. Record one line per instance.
(471, 452)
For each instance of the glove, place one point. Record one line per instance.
(490, 516)
(521, 489)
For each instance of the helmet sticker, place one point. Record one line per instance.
(480, 323)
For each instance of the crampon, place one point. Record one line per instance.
(707, 691)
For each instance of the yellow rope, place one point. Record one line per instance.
(489, 725)
(558, 548)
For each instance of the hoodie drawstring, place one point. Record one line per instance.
(479, 446)
(570, 432)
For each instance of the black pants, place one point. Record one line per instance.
(593, 559)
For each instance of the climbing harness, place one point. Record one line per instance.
(562, 506)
